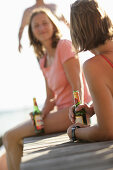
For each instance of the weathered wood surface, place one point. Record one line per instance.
(56, 152)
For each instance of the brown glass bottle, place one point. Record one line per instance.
(38, 122)
(80, 116)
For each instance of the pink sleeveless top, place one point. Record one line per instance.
(56, 77)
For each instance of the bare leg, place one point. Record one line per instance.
(57, 121)
(3, 163)
(54, 122)
(13, 143)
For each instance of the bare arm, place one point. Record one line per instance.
(62, 18)
(102, 101)
(49, 103)
(24, 22)
(74, 75)
(87, 133)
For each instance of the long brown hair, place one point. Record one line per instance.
(89, 24)
(38, 46)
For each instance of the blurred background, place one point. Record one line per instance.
(20, 76)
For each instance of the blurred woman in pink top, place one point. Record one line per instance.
(62, 73)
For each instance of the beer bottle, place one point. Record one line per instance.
(38, 122)
(80, 116)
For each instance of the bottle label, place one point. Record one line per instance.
(79, 119)
(39, 122)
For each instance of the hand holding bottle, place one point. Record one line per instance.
(71, 114)
(44, 115)
(88, 109)
(80, 116)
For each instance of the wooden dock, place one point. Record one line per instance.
(57, 152)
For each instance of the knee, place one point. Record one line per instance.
(8, 139)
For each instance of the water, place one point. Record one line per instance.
(11, 118)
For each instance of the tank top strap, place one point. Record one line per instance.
(108, 60)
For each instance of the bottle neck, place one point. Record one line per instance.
(36, 109)
(76, 98)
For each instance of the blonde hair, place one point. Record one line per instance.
(89, 25)
(38, 46)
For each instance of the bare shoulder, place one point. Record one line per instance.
(90, 62)
(29, 10)
(98, 66)
(94, 66)
(89, 65)
(95, 73)
(98, 73)
(27, 14)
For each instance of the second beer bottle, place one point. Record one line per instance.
(38, 122)
(80, 116)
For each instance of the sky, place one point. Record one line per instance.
(20, 76)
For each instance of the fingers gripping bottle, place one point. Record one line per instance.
(80, 116)
(39, 124)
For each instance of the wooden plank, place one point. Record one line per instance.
(56, 152)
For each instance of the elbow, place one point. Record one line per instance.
(107, 134)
